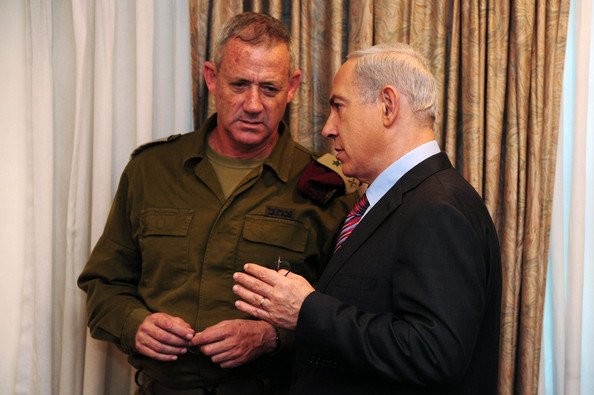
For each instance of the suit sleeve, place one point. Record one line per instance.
(439, 289)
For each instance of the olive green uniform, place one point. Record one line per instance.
(172, 243)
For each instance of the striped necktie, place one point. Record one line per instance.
(352, 220)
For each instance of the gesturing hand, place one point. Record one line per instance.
(274, 297)
(163, 337)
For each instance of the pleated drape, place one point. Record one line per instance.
(567, 359)
(35, 352)
(103, 77)
(499, 67)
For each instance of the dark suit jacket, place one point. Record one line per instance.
(410, 304)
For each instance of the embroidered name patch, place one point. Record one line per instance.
(280, 212)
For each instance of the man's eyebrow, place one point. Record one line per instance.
(242, 80)
(239, 80)
(333, 98)
(270, 83)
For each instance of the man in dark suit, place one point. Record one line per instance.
(410, 301)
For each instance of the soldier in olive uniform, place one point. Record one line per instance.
(191, 210)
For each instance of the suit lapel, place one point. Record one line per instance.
(380, 211)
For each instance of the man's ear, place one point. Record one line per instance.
(294, 84)
(210, 76)
(390, 104)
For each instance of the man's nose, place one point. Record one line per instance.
(253, 100)
(329, 130)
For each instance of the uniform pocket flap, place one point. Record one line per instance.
(165, 221)
(275, 231)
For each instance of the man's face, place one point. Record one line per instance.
(252, 88)
(355, 127)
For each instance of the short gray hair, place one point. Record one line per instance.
(253, 28)
(402, 67)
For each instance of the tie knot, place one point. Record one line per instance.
(352, 220)
(361, 206)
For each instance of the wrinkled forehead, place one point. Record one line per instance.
(248, 42)
(241, 54)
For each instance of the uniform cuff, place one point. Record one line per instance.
(130, 328)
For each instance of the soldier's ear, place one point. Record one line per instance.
(390, 104)
(210, 75)
(294, 82)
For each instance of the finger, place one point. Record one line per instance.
(214, 349)
(262, 273)
(253, 284)
(158, 356)
(254, 311)
(228, 361)
(169, 339)
(245, 293)
(174, 326)
(248, 296)
(211, 334)
(169, 350)
(156, 350)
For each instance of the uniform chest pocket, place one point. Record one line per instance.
(164, 245)
(264, 239)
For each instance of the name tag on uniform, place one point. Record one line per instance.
(280, 212)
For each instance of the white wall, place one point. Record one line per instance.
(12, 182)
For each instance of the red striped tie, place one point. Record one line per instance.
(352, 220)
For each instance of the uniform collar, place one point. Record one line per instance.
(279, 161)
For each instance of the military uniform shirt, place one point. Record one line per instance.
(172, 243)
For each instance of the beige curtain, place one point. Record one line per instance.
(499, 65)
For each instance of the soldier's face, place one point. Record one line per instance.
(353, 128)
(252, 88)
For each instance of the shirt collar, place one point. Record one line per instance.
(396, 170)
(279, 161)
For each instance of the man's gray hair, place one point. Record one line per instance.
(402, 67)
(253, 28)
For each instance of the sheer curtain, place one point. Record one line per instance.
(103, 77)
(567, 365)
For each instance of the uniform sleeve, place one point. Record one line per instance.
(438, 301)
(110, 278)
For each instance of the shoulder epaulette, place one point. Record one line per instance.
(163, 140)
(328, 160)
(322, 180)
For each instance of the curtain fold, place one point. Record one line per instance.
(103, 77)
(538, 39)
(567, 360)
(77, 233)
(33, 372)
(144, 70)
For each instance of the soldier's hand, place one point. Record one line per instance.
(163, 337)
(234, 342)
